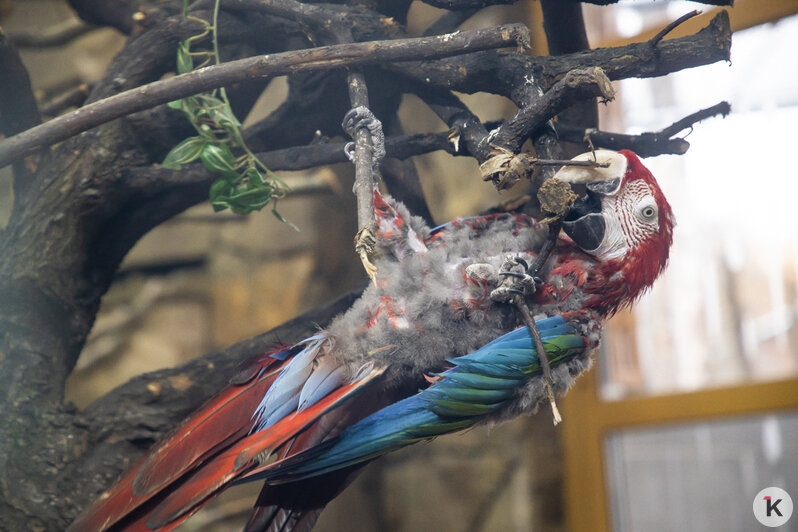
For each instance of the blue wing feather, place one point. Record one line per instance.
(477, 385)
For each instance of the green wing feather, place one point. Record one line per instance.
(478, 385)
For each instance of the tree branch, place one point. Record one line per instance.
(577, 85)
(212, 77)
(565, 34)
(56, 35)
(465, 127)
(466, 4)
(505, 168)
(18, 108)
(119, 14)
(510, 74)
(648, 144)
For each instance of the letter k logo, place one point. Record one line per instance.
(772, 506)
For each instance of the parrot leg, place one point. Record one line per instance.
(367, 152)
(514, 289)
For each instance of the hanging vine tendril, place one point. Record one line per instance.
(245, 184)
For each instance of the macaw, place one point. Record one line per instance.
(424, 352)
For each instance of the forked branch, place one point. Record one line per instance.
(212, 77)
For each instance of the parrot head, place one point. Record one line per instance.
(623, 219)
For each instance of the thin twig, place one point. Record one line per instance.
(546, 248)
(722, 108)
(673, 25)
(648, 144)
(526, 316)
(543, 256)
(322, 58)
(364, 158)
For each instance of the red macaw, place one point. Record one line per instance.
(424, 352)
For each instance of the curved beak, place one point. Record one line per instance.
(585, 223)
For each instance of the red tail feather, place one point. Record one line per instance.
(208, 452)
(222, 418)
(241, 458)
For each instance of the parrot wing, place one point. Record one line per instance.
(264, 411)
(478, 385)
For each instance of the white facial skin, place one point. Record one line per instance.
(630, 212)
(630, 216)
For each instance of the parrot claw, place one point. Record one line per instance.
(365, 242)
(361, 117)
(522, 284)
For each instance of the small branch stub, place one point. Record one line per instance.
(505, 169)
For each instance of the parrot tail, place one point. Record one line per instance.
(224, 442)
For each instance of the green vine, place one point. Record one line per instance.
(245, 184)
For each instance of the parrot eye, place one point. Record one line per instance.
(647, 210)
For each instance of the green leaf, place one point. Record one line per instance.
(207, 100)
(244, 201)
(252, 196)
(255, 176)
(220, 205)
(218, 158)
(185, 63)
(175, 104)
(220, 189)
(183, 153)
(224, 116)
(190, 105)
(286, 221)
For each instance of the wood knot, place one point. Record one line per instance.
(556, 198)
(505, 168)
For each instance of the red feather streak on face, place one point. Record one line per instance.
(619, 282)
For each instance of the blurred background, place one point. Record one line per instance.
(692, 407)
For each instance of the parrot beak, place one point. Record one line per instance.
(585, 222)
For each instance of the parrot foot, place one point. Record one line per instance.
(362, 118)
(365, 242)
(367, 152)
(516, 281)
(514, 288)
